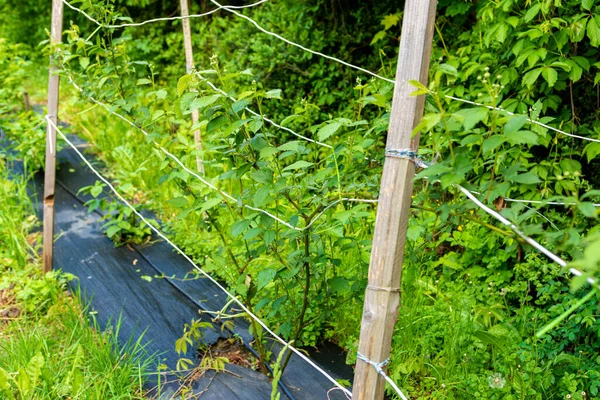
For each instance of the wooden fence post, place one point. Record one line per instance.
(26, 101)
(50, 169)
(382, 297)
(189, 65)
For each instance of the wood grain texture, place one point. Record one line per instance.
(50, 164)
(382, 297)
(189, 65)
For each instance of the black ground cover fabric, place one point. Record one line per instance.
(110, 280)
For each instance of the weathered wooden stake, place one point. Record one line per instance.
(50, 170)
(26, 101)
(189, 65)
(382, 297)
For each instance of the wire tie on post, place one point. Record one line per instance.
(383, 289)
(407, 154)
(378, 366)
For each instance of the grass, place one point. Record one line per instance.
(49, 349)
(59, 355)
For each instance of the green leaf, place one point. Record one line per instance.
(448, 69)
(528, 178)
(202, 102)
(390, 20)
(143, 81)
(514, 124)
(262, 176)
(428, 122)
(488, 338)
(532, 12)
(239, 227)
(179, 202)
(531, 77)
(235, 126)
(216, 123)
(161, 94)
(380, 100)
(421, 89)
(245, 94)
(592, 150)
(378, 36)
(207, 205)
(593, 32)
(96, 190)
(339, 284)
(522, 137)
(493, 143)
(501, 32)
(255, 124)
(264, 277)
(240, 105)
(472, 116)
(182, 84)
(414, 232)
(587, 4)
(577, 32)
(550, 75)
(268, 151)
(328, 130)
(299, 165)
(588, 209)
(185, 101)
(273, 94)
(576, 72)
(261, 195)
(294, 146)
(84, 62)
(111, 231)
(157, 114)
(252, 233)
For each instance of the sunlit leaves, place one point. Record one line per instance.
(530, 78)
(298, 165)
(201, 102)
(532, 12)
(550, 75)
(265, 277)
(593, 30)
(514, 124)
(472, 116)
(328, 130)
(390, 20)
(427, 123)
(587, 4)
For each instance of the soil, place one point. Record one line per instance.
(9, 308)
(235, 352)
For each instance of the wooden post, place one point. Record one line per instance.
(26, 101)
(50, 169)
(382, 297)
(189, 65)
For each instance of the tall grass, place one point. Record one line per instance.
(62, 356)
(49, 348)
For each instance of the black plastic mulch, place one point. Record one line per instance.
(110, 280)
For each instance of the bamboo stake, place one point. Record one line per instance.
(50, 169)
(382, 297)
(189, 65)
